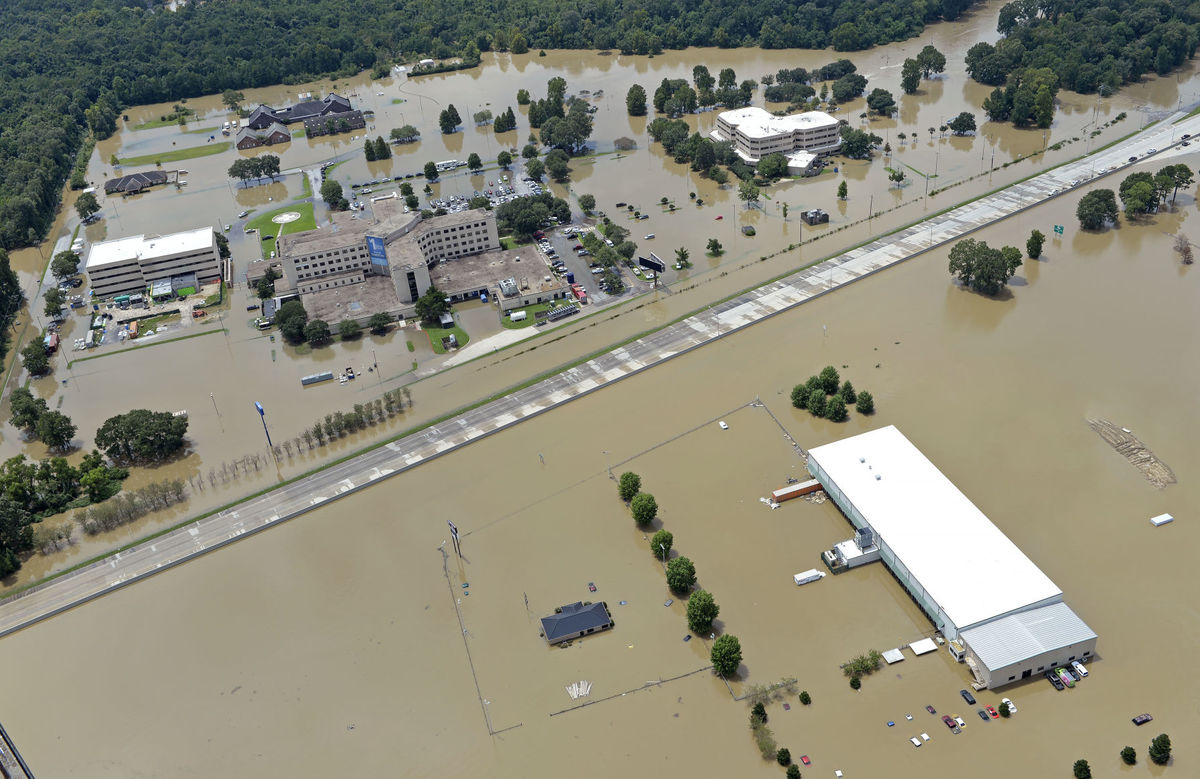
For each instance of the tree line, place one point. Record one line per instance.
(247, 168)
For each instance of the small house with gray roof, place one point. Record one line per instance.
(576, 620)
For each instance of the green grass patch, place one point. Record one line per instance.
(162, 121)
(530, 318)
(207, 150)
(436, 334)
(398, 100)
(146, 325)
(305, 186)
(203, 131)
(298, 133)
(508, 242)
(267, 229)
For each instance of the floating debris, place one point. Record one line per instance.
(1138, 454)
(818, 496)
(579, 689)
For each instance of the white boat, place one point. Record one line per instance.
(723, 425)
(811, 575)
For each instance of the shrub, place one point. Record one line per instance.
(817, 403)
(726, 656)
(793, 772)
(829, 379)
(629, 485)
(765, 740)
(644, 508)
(701, 611)
(805, 698)
(855, 683)
(1160, 749)
(681, 575)
(660, 544)
(783, 756)
(865, 403)
(1129, 755)
(1082, 770)
(799, 395)
(848, 394)
(1004, 710)
(759, 712)
(835, 409)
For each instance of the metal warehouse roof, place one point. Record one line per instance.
(1027, 634)
(966, 564)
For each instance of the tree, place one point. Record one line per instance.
(628, 485)
(982, 268)
(681, 575)
(857, 144)
(855, 682)
(64, 264)
(962, 124)
(86, 205)
(223, 250)
(333, 195)
(714, 248)
(726, 655)
(931, 61)
(1160, 749)
(848, 87)
(16, 535)
(1129, 755)
(369, 150)
(835, 409)
(505, 122)
(432, 305)
(482, 117)
(701, 611)
(587, 203)
(1082, 770)
(1033, 247)
(783, 756)
(431, 171)
(793, 772)
(534, 169)
(847, 393)
(290, 319)
(635, 100)
(504, 159)
(1097, 208)
(26, 409)
(379, 322)
(35, 359)
(317, 332)
(644, 508)
(681, 257)
(865, 403)
(405, 134)
(910, 76)
(773, 166)
(231, 99)
(55, 429)
(474, 163)
(816, 402)
(829, 379)
(447, 122)
(55, 299)
(881, 102)
(843, 190)
(800, 396)
(556, 164)
(1003, 710)
(660, 544)
(758, 714)
(1181, 176)
(382, 150)
(748, 193)
(141, 435)
(805, 698)
(348, 329)
(529, 151)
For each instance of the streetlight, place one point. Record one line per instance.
(663, 547)
(263, 415)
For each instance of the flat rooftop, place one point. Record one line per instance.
(963, 561)
(755, 122)
(352, 301)
(143, 247)
(487, 269)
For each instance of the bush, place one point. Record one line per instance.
(848, 394)
(701, 611)
(726, 656)
(865, 403)
(855, 683)
(835, 409)
(805, 698)
(1129, 755)
(1082, 770)
(793, 772)
(784, 756)
(800, 395)
(644, 508)
(681, 575)
(817, 403)
(1160, 749)
(660, 544)
(1003, 710)
(759, 713)
(829, 379)
(629, 485)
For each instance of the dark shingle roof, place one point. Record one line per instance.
(135, 182)
(575, 618)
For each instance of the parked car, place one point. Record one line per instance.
(968, 697)
(1054, 680)
(931, 710)
(949, 722)
(983, 715)
(1079, 669)
(1012, 707)
(1152, 150)
(991, 710)
(959, 721)
(1133, 158)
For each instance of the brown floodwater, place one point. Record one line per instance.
(218, 377)
(333, 644)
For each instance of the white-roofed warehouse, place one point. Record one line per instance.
(970, 579)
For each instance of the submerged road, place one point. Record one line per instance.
(719, 320)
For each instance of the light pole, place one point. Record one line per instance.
(663, 547)
(263, 416)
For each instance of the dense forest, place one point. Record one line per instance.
(68, 66)
(1090, 45)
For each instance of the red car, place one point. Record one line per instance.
(992, 712)
(804, 759)
(931, 710)
(949, 722)
(719, 218)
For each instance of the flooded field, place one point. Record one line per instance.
(345, 642)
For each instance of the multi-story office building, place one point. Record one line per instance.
(127, 266)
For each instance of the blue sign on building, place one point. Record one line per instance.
(377, 251)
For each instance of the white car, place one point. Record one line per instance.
(1012, 707)
(960, 722)
(1079, 669)
(1152, 150)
